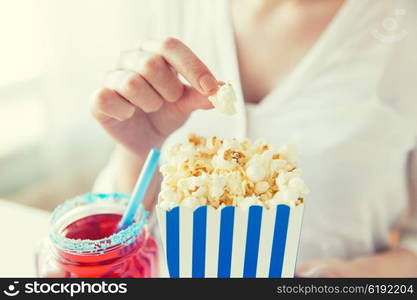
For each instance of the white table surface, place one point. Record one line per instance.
(21, 230)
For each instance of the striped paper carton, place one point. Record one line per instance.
(231, 242)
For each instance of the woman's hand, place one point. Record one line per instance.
(144, 101)
(393, 263)
(331, 267)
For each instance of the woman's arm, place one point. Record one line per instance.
(392, 263)
(127, 167)
(398, 262)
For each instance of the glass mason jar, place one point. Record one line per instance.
(83, 242)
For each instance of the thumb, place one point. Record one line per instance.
(192, 100)
(173, 114)
(320, 270)
(331, 267)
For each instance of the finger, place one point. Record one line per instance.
(156, 71)
(178, 112)
(106, 103)
(133, 87)
(315, 271)
(316, 268)
(186, 63)
(191, 101)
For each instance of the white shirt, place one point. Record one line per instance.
(345, 107)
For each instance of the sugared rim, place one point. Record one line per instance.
(86, 246)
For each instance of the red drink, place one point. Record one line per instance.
(94, 227)
(90, 247)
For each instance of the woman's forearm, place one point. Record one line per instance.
(127, 169)
(392, 263)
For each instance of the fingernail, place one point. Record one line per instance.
(208, 84)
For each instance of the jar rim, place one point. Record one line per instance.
(87, 246)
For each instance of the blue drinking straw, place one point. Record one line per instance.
(141, 187)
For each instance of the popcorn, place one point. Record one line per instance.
(261, 187)
(289, 152)
(245, 202)
(193, 202)
(220, 172)
(259, 166)
(297, 184)
(168, 197)
(224, 100)
(216, 187)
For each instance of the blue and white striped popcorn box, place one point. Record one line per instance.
(231, 242)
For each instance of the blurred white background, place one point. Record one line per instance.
(53, 55)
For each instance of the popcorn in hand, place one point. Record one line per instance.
(222, 172)
(224, 100)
